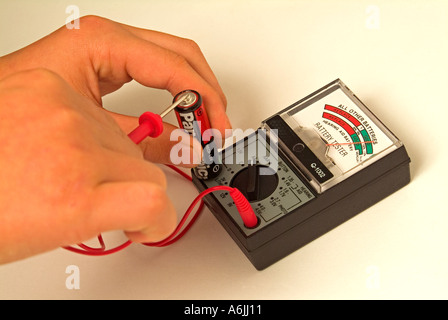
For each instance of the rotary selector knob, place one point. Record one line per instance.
(256, 182)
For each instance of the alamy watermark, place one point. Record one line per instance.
(373, 277)
(250, 147)
(72, 21)
(373, 17)
(72, 282)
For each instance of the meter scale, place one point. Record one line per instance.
(348, 123)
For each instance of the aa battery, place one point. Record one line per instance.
(192, 117)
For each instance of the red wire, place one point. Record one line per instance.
(151, 124)
(186, 176)
(244, 208)
(87, 250)
(97, 251)
(101, 241)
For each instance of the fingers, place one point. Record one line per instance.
(184, 47)
(132, 197)
(106, 55)
(142, 209)
(160, 61)
(154, 66)
(116, 167)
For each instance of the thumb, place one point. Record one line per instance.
(142, 209)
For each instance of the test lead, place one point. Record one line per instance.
(151, 124)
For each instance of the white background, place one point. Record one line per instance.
(267, 55)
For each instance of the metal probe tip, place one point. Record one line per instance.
(181, 98)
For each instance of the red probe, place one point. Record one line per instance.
(151, 125)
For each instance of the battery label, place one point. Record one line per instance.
(351, 136)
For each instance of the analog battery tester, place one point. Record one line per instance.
(317, 163)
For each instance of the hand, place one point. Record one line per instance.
(102, 55)
(68, 170)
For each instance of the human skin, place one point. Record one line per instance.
(68, 170)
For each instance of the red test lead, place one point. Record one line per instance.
(151, 125)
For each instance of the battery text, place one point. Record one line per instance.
(187, 120)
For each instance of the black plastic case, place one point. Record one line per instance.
(321, 182)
